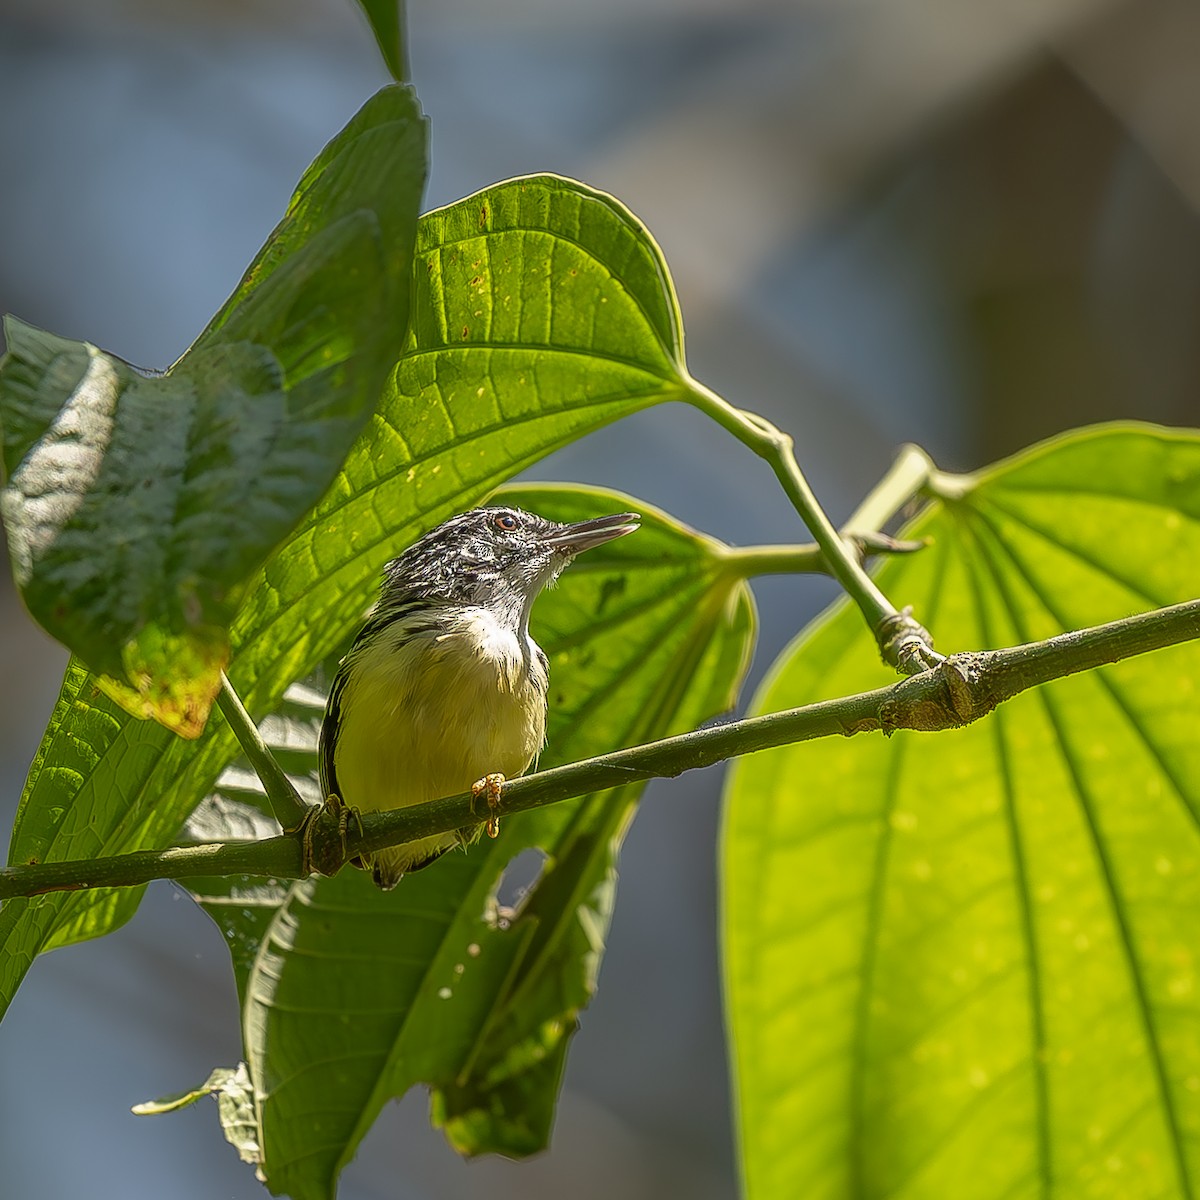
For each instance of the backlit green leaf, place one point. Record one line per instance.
(965, 964)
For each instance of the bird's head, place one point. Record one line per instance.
(497, 558)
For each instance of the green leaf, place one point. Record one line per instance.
(104, 783)
(386, 18)
(965, 964)
(356, 995)
(138, 506)
(540, 305)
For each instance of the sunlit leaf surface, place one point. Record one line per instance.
(965, 964)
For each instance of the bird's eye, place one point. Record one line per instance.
(505, 521)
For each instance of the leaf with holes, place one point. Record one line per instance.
(965, 964)
(647, 636)
(457, 419)
(138, 507)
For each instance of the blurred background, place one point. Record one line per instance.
(965, 223)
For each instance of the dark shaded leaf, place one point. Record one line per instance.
(138, 506)
(386, 18)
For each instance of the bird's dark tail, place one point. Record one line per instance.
(388, 867)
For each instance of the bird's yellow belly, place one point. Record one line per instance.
(427, 716)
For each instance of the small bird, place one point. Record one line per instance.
(444, 687)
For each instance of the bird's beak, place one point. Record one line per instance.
(583, 535)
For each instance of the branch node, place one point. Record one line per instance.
(906, 644)
(954, 693)
(963, 682)
(869, 544)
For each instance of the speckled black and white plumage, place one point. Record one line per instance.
(444, 683)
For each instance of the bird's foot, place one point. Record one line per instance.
(323, 841)
(490, 786)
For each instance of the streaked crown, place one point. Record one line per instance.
(498, 558)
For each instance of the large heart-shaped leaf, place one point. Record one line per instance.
(964, 964)
(137, 506)
(355, 995)
(104, 783)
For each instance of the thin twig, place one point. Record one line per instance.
(961, 689)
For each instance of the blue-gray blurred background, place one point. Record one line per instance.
(966, 223)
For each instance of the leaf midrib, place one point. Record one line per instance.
(1037, 1016)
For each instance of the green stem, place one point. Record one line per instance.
(745, 562)
(776, 448)
(960, 690)
(289, 809)
(896, 633)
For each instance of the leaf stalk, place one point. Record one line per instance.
(902, 642)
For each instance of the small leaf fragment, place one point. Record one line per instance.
(235, 1105)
